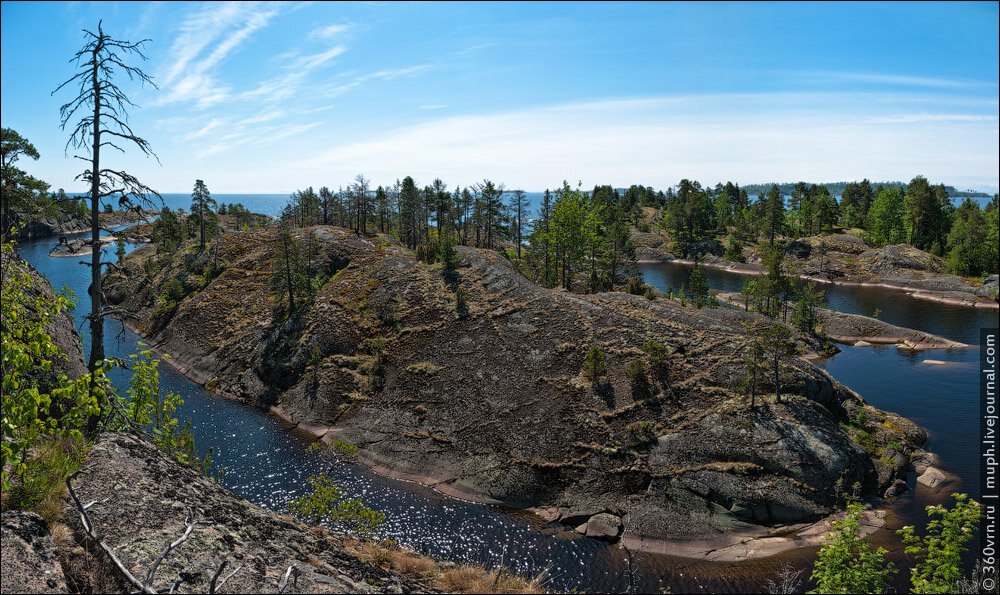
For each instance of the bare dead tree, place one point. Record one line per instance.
(147, 585)
(105, 123)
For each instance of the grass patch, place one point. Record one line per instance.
(473, 579)
(41, 488)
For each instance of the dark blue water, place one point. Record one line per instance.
(958, 323)
(271, 204)
(268, 464)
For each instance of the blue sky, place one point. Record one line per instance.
(271, 97)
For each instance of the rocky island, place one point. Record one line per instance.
(484, 398)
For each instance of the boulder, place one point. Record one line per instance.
(604, 526)
(933, 477)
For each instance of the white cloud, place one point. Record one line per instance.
(897, 79)
(316, 60)
(330, 30)
(744, 138)
(207, 38)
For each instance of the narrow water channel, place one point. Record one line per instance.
(268, 464)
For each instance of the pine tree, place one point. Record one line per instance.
(201, 208)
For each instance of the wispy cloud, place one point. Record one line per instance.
(330, 31)
(894, 79)
(206, 39)
(920, 118)
(316, 60)
(745, 138)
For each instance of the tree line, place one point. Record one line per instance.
(919, 213)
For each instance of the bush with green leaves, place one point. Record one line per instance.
(848, 563)
(698, 287)
(938, 553)
(640, 434)
(593, 364)
(635, 286)
(173, 290)
(638, 378)
(36, 410)
(326, 502)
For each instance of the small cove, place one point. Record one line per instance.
(267, 463)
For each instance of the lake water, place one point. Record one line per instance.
(268, 464)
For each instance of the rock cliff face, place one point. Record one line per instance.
(489, 402)
(142, 497)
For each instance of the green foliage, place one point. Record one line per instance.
(148, 408)
(810, 298)
(344, 449)
(753, 363)
(593, 364)
(749, 293)
(35, 410)
(326, 502)
(203, 217)
(449, 256)
(640, 434)
(886, 223)
(42, 481)
(848, 563)
(658, 361)
(635, 286)
(173, 290)
(734, 250)
(698, 287)
(938, 553)
(778, 345)
(289, 273)
(119, 249)
(376, 367)
(638, 377)
(22, 193)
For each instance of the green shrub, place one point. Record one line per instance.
(173, 290)
(326, 502)
(449, 256)
(640, 434)
(33, 414)
(635, 286)
(638, 377)
(848, 563)
(593, 364)
(939, 552)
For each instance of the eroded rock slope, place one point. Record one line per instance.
(488, 401)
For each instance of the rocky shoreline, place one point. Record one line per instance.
(847, 261)
(467, 424)
(865, 331)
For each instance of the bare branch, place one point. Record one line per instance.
(169, 548)
(88, 526)
(212, 587)
(284, 581)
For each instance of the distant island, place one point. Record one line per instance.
(837, 188)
